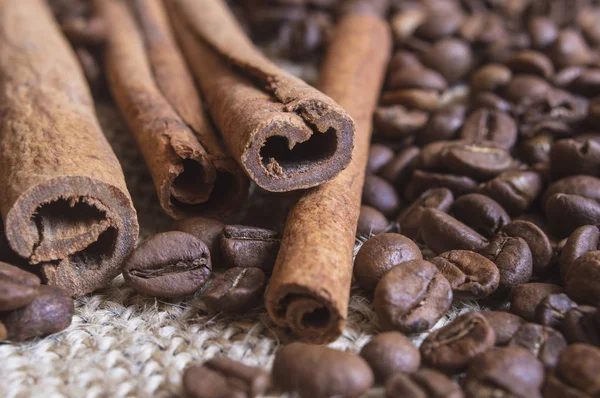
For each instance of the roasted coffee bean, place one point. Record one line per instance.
(370, 222)
(396, 122)
(483, 28)
(526, 298)
(544, 342)
(486, 125)
(443, 19)
(314, 371)
(378, 193)
(582, 185)
(581, 241)
(17, 287)
(430, 157)
(576, 373)
(379, 155)
(205, 229)
(380, 254)
(3, 332)
(582, 325)
(415, 77)
(513, 259)
(583, 279)
(481, 213)
(398, 169)
(566, 76)
(523, 87)
(443, 124)
(471, 275)
(492, 101)
(537, 240)
(566, 213)
(405, 23)
(505, 324)
(515, 191)
(49, 312)
(404, 59)
(412, 297)
(419, 99)
(421, 181)
(536, 149)
(442, 232)
(451, 348)
(410, 219)
(588, 82)
(552, 310)
(451, 57)
(504, 372)
(425, 383)
(235, 290)
(491, 77)
(169, 264)
(480, 161)
(531, 62)
(570, 49)
(543, 32)
(250, 247)
(223, 377)
(389, 353)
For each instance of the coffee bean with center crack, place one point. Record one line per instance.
(576, 373)
(250, 247)
(491, 126)
(544, 342)
(582, 240)
(552, 310)
(235, 290)
(537, 241)
(515, 191)
(481, 213)
(442, 232)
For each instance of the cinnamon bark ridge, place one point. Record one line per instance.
(63, 200)
(310, 286)
(285, 134)
(156, 93)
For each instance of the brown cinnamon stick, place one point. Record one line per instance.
(310, 287)
(156, 93)
(285, 134)
(64, 201)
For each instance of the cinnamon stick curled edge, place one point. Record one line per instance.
(309, 290)
(156, 93)
(285, 134)
(64, 201)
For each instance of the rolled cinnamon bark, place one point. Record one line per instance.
(64, 201)
(156, 93)
(310, 287)
(285, 134)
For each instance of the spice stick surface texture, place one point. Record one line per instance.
(64, 201)
(285, 134)
(310, 287)
(156, 93)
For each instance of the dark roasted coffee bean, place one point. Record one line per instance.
(486, 125)
(515, 191)
(526, 298)
(582, 280)
(380, 194)
(443, 19)
(491, 77)
(451, 348)
(425, 383)
(443, 124)
(522, 87)
(576, 373)
(481, 213)
(17, 287)
(379, 155)
(235, 290)
(504, 372)
(531, 62)
(421, 181)
(537, 240)
(415, 77)
(566, 213)
(581, 241)
(223, 377)
(315, 371)
(543, 32)
(430, 157)
(570, 157)
(586, 186)
(380, 254)
(404, 59)
(536, 149)
(398, 169)
(480, 161)
(542, 341)
(552, 310)
(410, 219)
(588, 22)
(566, 76)
(588, 82)
(404, 23)
(419, 99)
(513, 259)
(248, 247)
(442, 232)
(505, 324)
(370, 222)
(492, 101)
(205, 229)
(570, 49)
(396, 122)
(471, 275)
(412, 297)
(389, 353)
(451, 57)
(169, 264)
(582, 325)
(49, 312)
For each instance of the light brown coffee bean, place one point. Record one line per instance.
(389, 353)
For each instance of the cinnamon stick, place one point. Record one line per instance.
(155, 91)
(64, 201)
(310, 287)
(285, 134)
